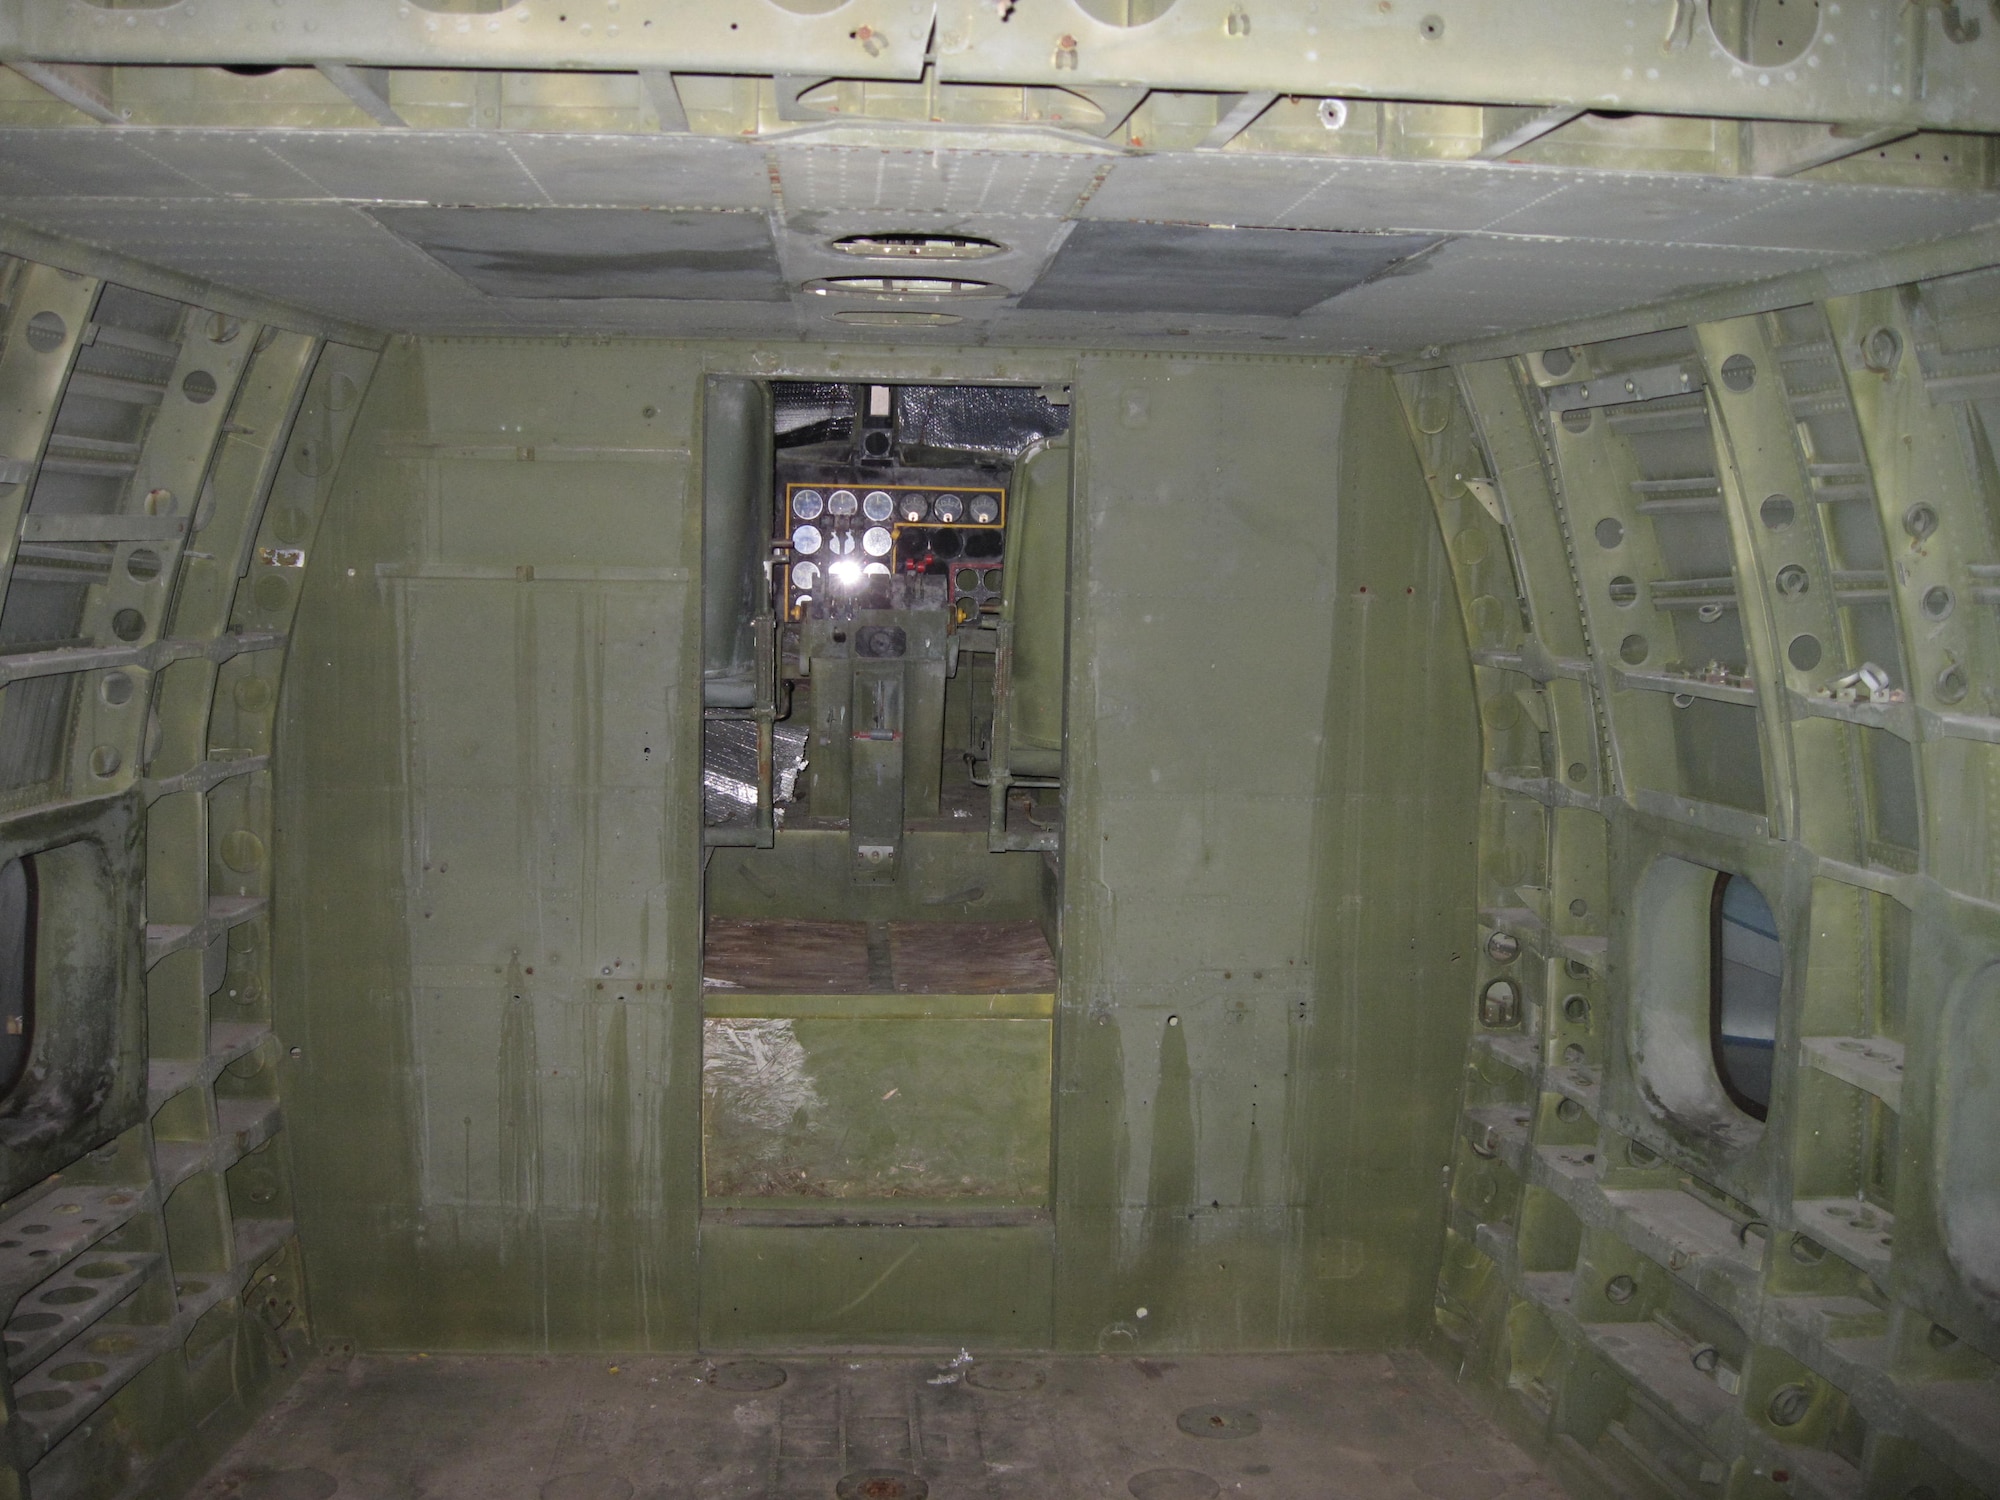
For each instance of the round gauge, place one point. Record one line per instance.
(876, 541)
(805, 575)
(985, 509)
(948, 507)
(841, 503)
(807, 504)
(805, 540)
(913, 507)
(876, 570)
(877, 506)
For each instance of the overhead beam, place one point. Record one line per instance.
(1116, 104)
(663, 92)
(1238, 118)
(788, 88)
(1552, 54)
(1781, 148)
(1508, 130)
(83, 87)
(367, 89)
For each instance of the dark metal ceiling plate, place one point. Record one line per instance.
(591, 253)
(1193, 268)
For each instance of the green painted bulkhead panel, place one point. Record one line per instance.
(872, 1108)
(488, 896)
(1266, 840)
(492, 848)
(862, 1286)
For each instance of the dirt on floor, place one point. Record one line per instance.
(1325, 1426)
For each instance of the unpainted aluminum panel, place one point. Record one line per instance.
(1558, 202)
(1011, 184)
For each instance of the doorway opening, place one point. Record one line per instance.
(885, 619)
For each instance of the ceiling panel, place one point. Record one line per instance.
(1295, 192)
(228, 165)
(1004, 183)
(326, 257)
(408, 166)
(1109, 266)
(1099, 248)
(88, 163)
(1862, 221)
(585, 254)
(645, 171)
(1472, 287)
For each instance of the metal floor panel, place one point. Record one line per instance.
(1328, 1426)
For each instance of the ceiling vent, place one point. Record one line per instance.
(902, 288)
(918, 245)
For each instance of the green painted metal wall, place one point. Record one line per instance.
(490, 861)
(1271, 719)
(488, 871)
(1745, 633)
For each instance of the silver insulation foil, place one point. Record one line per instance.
(729, 770)
(976, 418)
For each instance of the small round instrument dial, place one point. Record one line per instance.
(948, 508)
(913, 507)
(877, 506)
(807, 505)
(842, 503)
(984, 509)
(806, 540)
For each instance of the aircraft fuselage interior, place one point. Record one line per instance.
(879, 749)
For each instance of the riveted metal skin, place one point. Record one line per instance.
(1405, 660)
(152, 433)
(1914, 65)
(1802, 488)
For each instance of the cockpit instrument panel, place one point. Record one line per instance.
(840, 536)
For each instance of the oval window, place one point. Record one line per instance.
(1747, 970)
